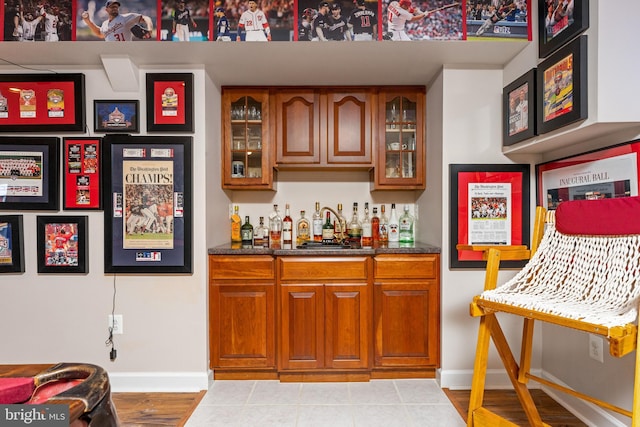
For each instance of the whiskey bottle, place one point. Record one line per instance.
(375, 226)
(367, 234)
(275, 227)
(384, 226)
(236, 223)
(246, 231)
(261, 235)
(327, 230)
(394, 224)
(340, 225)
(287, 227)
(355, 227)
(317, 224)
(406, 226)
(303, 229)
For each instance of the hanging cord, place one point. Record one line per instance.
(28, 68)
(109, 342)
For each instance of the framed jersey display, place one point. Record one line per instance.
(169, 102)
(62, 244)
(82, 173)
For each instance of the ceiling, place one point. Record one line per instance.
(276, 63)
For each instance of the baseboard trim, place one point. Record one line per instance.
(159, 382)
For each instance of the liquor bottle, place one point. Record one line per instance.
(236, 223)
(327, 230)
(303, 229)
(275, 227)
(261, 235)
(384, 226)
(367, 233)
(406, 226)
(340, 225)
(287, 227)
(355, 227)
(317, 224)
(375, 226)
(246, 231)
(394, 224)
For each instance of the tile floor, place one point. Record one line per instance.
(385, 403)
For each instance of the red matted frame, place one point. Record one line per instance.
(461, 176)
(42, 102)
(82, 173)
(608, 172)
(169, 102)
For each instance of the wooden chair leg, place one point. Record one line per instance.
(525, 350)
(479, 369)
(635, 410)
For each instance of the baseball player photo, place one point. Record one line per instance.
(116, 21)
(223, 31)
(37, 21)
(338, 20)
(258, 20)
(406, 20)
(363, 21)
(184, 21)
(506, 19)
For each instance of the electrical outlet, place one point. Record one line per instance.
(596, 347)
(115, 322)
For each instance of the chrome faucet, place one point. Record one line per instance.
(341, 235)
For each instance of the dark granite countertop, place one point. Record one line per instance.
(393, 248)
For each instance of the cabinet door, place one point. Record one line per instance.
(298, 130)
(301, 327)
(242, 325)
(349, 130)
(347, 326)
(245, 148)
(400, 163)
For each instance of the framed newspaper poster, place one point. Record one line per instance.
(489, 205)
(82, 173)
(62, 244)
(147, 204)
(169, 102)
(29, 174)
(11, 244)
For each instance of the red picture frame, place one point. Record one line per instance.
(169, 102)
(82, 173)
(42, 102)
(506, 184)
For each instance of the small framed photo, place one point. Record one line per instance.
(562, 87)
(82, 177)
(29, 174)
(560, 21)
(11, 244)
(169, 102)
(112, 116)
(62, 244)
(518, 106)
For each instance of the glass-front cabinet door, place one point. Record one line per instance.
(400, 162)
(245, 149)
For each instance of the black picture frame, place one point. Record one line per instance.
(41, 102)
(39, 165)
(82, 173)
(169, 102)
(116, 116)
(11, 244)
(519, 109)
(461, 177)
(562, 87)
(63, 245)
(148, 173)
(554, 33)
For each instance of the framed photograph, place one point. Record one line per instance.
(42, 102)
(29, 175)
(62, 244)
(11, 244)
(116, 116)
(562, 87)
(489, 205)
(560, 21)
(170, 102)
(82, 173)
(518, 106)
(600, 174)
(147, 203)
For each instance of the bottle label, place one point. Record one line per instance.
(327, 235)
(286, 235)
(366, 230)
(317, 227)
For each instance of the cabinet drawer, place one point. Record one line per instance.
(406, 266)
(323, 268)
(241, 267)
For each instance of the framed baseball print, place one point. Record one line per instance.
(62, 244)
(11, 244)
(42, 102)
(518, 109)
(147, 203)
(169, 102)
(113, 116)
(560, 21)
(82, 173)
(29, 174)
(562, 87)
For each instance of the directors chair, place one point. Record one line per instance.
(583, 272)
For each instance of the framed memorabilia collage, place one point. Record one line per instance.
(82, 172)
(169, 102)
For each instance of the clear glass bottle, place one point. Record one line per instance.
(384, 225)
(261, 235)
(367, 233)
(375, 226)
(317, 224)
(394, 225)
(355, 227)
(327, 230)
(406, 226)
(246, 231)
(236, 223)
(340, 224)
(275, 227)
(287, 227)
(303, 229)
